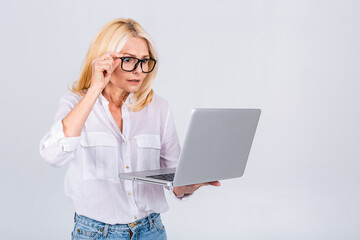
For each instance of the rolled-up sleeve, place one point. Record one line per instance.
(56, 149)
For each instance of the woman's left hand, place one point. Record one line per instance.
(189, 189)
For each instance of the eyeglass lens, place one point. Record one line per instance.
(130, 63)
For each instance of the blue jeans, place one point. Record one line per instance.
(146, 228)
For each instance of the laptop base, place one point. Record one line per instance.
(142, 176)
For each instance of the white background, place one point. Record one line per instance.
(296, 60)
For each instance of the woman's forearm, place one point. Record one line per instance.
(75, 120)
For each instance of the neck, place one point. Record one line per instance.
(115, 96)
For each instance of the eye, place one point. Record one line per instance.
(145, 61)
(128, 59)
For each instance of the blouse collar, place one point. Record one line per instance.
(104, 101)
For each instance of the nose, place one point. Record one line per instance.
(138, 68)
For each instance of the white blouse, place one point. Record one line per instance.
(149, 141)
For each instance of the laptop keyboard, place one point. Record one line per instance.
(167, 177)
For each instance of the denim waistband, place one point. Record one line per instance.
(143, 222)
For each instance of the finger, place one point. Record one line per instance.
(106, 57)
(215, 183)
(197, 186)
(116, 63)
(202, 184)
(107, 61)
(191, 189)
(102, 68)
(104, 65)
(113, 55)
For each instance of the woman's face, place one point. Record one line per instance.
(131, 81)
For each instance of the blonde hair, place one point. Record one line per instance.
(112, 37)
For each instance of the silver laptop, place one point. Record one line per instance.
(216, 147)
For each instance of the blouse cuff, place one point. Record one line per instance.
(57, 135)
(183, 197)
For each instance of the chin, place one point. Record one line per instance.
(132, 89)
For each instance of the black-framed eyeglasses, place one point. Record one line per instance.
(129, 64)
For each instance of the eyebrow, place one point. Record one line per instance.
(132, 55)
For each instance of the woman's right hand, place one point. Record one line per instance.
(103, 63)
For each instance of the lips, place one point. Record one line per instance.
(134, 80)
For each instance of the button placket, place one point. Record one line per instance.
(126, 122)
(126, 145)
(127, 156)
(129, 189)
(132, 203)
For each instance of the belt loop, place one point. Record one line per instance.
(150, 222)
(106, 229)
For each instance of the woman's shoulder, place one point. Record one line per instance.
(159, 101)
(160, 107)
(70, 98)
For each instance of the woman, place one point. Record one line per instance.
(113, 122)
